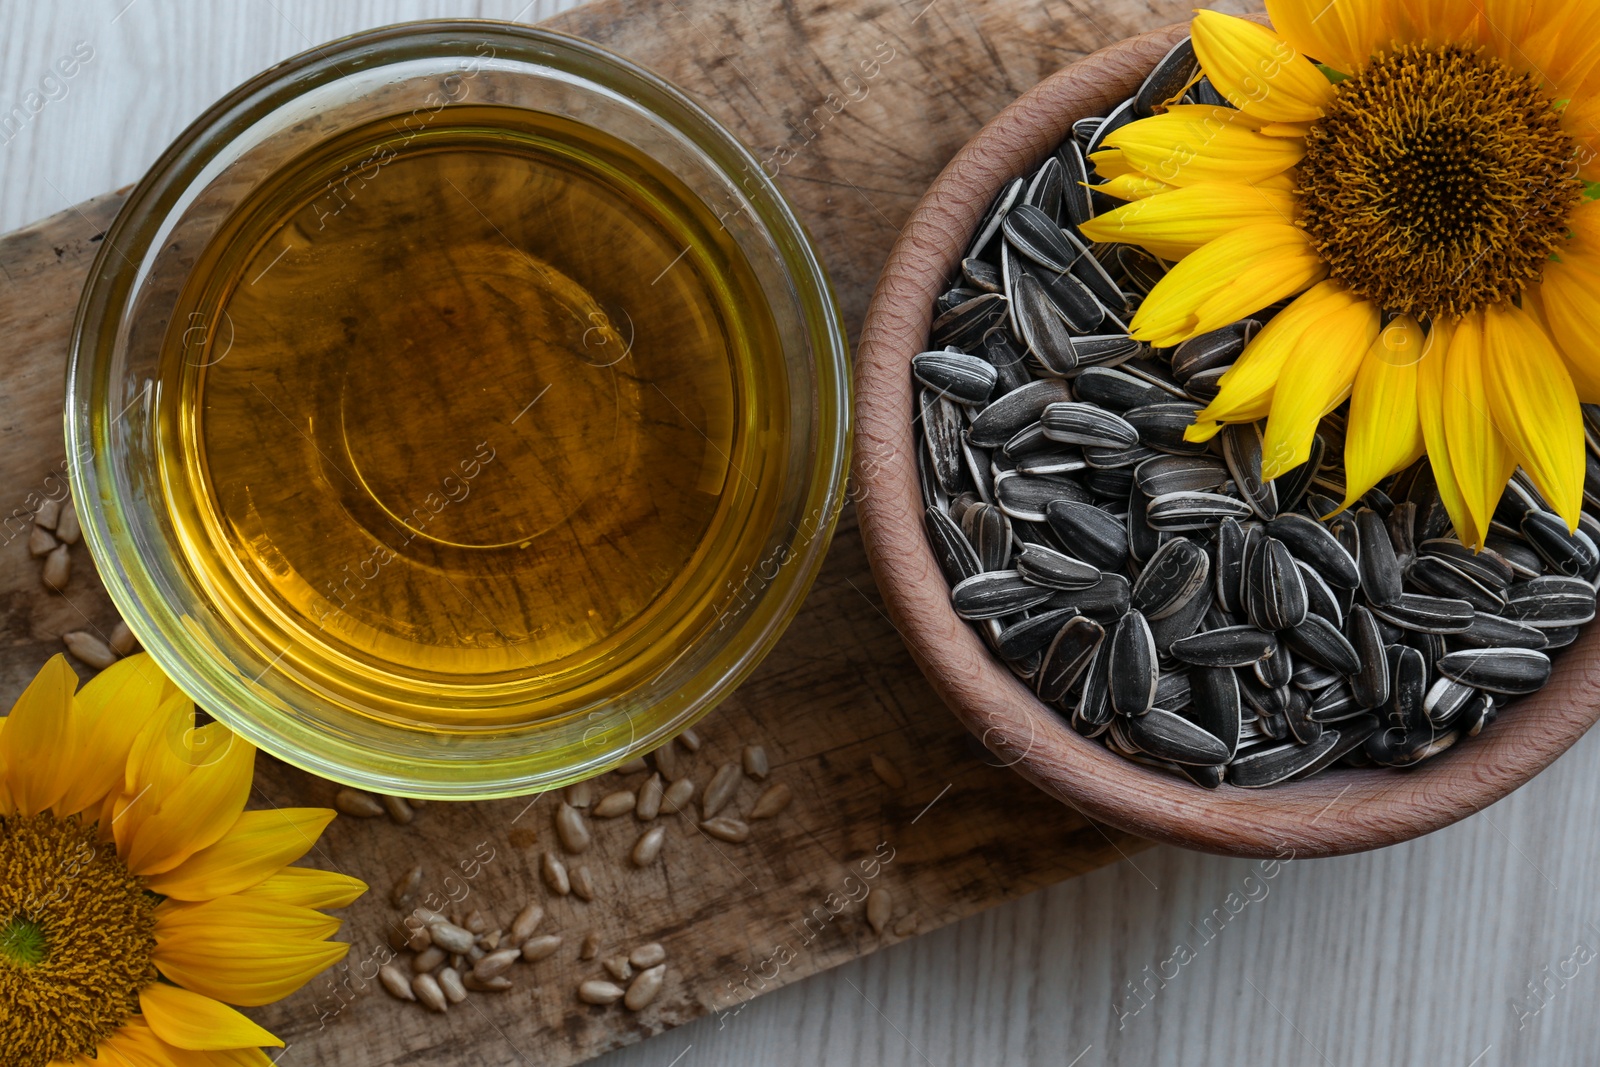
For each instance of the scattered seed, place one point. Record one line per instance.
(555, 874)
(772, 801)
(122, 641)
(645, 987)
(89, 648)
(637, 765)
(650, 795)
(755, 762)
(596, 991)
(526, 922)
(572, 829)
(426, 987)
(689, 740)
(450, 937)
(495, 963)
(613, 804)
(618, 967)
(723, 785)
(879, 905)
(583, 883)
(49, 513)
(906, 925)
(724, 828)
(405, 887)
(358, 804)
(399, 810)
(450, 985)
(647, 955)
(428, 959)
(396, 981)
(579, 794)
(40, 542)
(590, 947)
(666, 759)
(888, 772)
(542, 947)
(678, 795)
(67, 526)
(57, 569)
(499, 984)
(648, 847)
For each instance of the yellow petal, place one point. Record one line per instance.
(1176, 223)
(1132, 186)
(1340, 33)
(1192, 144)
(189, 1020)
(1562, 45)
(247, 971)
(1535, 407)
(112, 707)
(1430, 408)
(1111, 163)
(1315, 380)
(1437, 21)
(253, 849)
(1258, 71)
(1581, 120)
(308, 887)
(1230, 277)
(40, 741)
(1570, 299)
(1479, 455)
(1384, 434)
(1245, 390)
(199, 810)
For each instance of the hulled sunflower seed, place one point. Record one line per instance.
(450, 937)
(428, 993)
(542, 947)
(754, 758)
(358, 804)
(526, 922)
(644, 988)
(89, 649)
(648, 847)
(396, 981)
(405, 887)
(678, 795)
(721, 790)
(572, 830)
(501, 984)
(600, 992)
(649, 803)
(555, 876)
(637, 765)
(879, 906)
(581, 794)
(772, 801)
(616, 803)
(495, 963)
(1510, 671)
(582, 882)
(887, 772)
(451, 986)
(728, 829)
(668, 762)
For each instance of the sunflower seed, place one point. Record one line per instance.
(644, 988)
(358, 804)
(1162, 426)
(1320, 641)
(1370, 683)
(1229, 566)
(772, 801)
(1487, 567)
(1512, 671)
(405, 887)
(1444, 699)
(996, 593)
(1167, 736)
(648, 846)
(1572, 554)
(987, 530)
(450, 937)
(721, 790)
(1216, 706)
(615, 803)
(1168, 79)
(1209, 351)
(1143, 539)
(495, 963)
(1302, 726)
(879, 904)
(1074, 423)
(1335, 703)
(1270, 766)
(1381, 578)
(963, 378)
(942, 423)
(1475, 715)
(598, 991)
(1276, 669)
(428, 959)
(964, 325)
(1160, 475)
(1231, 646)
(1310, 541)
(1101, 352)
(1035, 234)
(999, 422)
(1274, 592)
(1044, 191)
(572, 830)
(427, 991)
(1077, 207)
(1043, 324)
(1119, 117)
(637, 765)
(1313, 677)
(396, 981)
(1067, 657)
(1193, 511)
(1132, 670)
(1441, 578)
(1409, 688)
(724, 828)
(1292, 486)
(1071, 296)
(1320, 597)
(981, 275)
(526, 922)
(1495, 631)
(542, 947)
(1094, 536)
(1550, 601)
(649, 803)
(1426, 614)
(1023, 497)
(1060, 461)
(678, 795)
(555, 876)
(1057, 570)
(1113, 389)
(57, 570)
(1011, 194)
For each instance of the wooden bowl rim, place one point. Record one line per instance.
(1350, 811)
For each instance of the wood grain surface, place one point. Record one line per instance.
(1426, 953)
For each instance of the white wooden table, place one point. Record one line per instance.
(1478, 946)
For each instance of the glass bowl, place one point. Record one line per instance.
(457, 736)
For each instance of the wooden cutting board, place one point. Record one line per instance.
(858, 106)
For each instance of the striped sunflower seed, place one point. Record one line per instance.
(1072, 423)
(1509, 671)
(1132, 671)
(1067, 657)
(963, 378)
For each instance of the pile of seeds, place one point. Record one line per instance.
(51, 535)
(1158, 592)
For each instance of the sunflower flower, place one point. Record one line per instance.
(1418, 180)
(138, 899)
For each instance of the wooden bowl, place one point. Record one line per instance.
(1339, 812)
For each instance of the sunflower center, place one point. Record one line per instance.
(76, 934)
(1439, 181)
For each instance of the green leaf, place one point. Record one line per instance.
(1332, 75)
(1591, 190)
